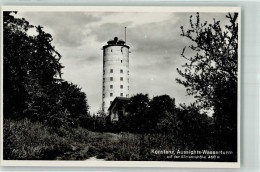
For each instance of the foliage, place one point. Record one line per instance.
(26, 140)
(213, 70)
(138, 117)
(190, 128)
(195, 127)
(211, 74)
(129, 147)
(160, 107)
(33, 87)
(29, 63)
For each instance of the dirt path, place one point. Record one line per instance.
(94, 158)
(99, 145)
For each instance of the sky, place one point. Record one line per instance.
(154, 40)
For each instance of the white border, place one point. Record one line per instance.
(124, 8)
(125, 163)
(165, 164)
(1, 92)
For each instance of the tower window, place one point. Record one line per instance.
(121, 78)
(111, 70)
(121, 94)
(111, 86)
(121, 61)
(121, 70)
(111, 78)
(111, 94)
(111, 50)
(128, 87)
(121, 86)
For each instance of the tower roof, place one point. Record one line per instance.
(116, 42)
(123, 100)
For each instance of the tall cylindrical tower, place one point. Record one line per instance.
(115, 71)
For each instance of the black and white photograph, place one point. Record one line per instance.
(139, 85)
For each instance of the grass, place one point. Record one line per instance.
(133, 147)
(26, 140)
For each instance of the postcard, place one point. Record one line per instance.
(120, 86)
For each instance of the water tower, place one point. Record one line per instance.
(115, 71)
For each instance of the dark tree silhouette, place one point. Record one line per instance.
(33, 87)
(195, 128)
(30, 64)
(211, 74)
(160, 108)
(139, 113)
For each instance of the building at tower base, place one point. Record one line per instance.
(119, 108)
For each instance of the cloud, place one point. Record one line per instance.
(68, 28)
(108, 31)
(156, 48)
(154, 40)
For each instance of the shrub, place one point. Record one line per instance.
(26, 140)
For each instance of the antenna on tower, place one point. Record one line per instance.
(125, 35)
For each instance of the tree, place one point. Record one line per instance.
(160, 107)
(138, 113)
(100, 121)
(16, 54)
(31, 68)
(67, 106)
(211, 74)
(195, 128)
(33, 87)
(75, 101)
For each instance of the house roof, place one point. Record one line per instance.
(123, 100)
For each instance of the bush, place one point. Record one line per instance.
(26, 140)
